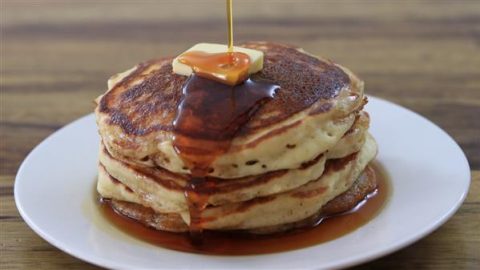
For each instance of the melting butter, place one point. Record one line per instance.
(256, 57)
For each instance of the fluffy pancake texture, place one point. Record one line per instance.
(299, 156)
(273, 210)
(165, 189)
(363, 186)
(317, 98)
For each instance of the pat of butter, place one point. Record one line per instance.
(256, 57)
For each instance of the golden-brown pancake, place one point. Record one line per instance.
(298, 156)
(259, 212)
(364, 185)
(166, 189)
(316, 105)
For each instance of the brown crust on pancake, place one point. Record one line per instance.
(137, 108)
(115, 181)
(330, 165)
(215, 185)
(362, 187)
(309, 193)
(165, 221)
(365, 184)
(339, 163)
(162, 176)
(142, 108)
(270, 134)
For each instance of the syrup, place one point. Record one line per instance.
(230, 24)
(218, 243)
(208, 118)
(218, 100)
(229, 67)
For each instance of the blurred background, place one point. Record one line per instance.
(56, 56)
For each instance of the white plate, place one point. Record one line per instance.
(54, 192)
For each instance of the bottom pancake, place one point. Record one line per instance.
(365, 184)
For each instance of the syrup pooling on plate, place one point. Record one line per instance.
(317, 229)
(208, 118)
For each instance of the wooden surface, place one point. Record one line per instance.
(56, 57)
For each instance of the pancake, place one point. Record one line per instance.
(317, 104)
(302, 153)
(365, 185)
(166, 189)
(337, 190)
(277, 209)
(293, 205)
(172, 222)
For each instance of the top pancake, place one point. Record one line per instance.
(135, 115)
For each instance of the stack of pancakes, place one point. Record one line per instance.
(302, 155)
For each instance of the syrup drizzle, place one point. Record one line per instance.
(218, 100)
(208, 118)
(230, 25)
(228, 67)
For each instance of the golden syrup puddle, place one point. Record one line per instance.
(218, 243)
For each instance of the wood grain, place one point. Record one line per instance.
(57, 55)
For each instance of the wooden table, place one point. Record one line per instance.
(56, 57)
